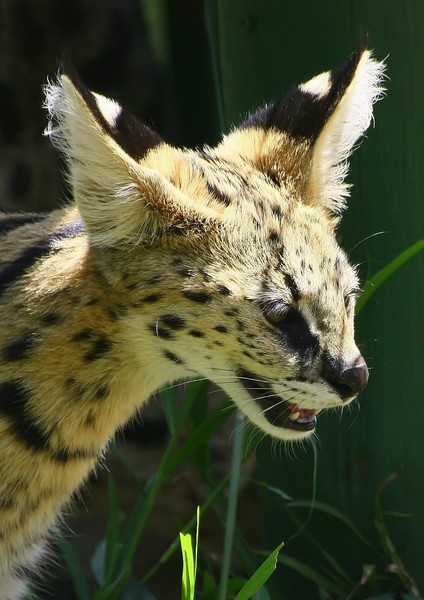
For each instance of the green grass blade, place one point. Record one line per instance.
(339, 575)
(197, 541)
(171, 411)
(260, 576)
(189, 561)
(339, 516)
(114, 590)
(199, 436)
(175, 544)
(195, 398)
(78, 578)
(319, 579)
(112, 546)
(133, 531)
(377, 280)
(230, 520)
(188, 576)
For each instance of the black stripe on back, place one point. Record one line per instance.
(13, 406)
(29, 256)
(13, 221)
(13, 399)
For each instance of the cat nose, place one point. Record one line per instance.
(348, 381)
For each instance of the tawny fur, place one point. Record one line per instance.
(171, 264)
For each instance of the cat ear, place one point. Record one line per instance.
(121, 200)
(305, 138)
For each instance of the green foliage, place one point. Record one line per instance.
(114, 557)
(189, 562)
(377, 280)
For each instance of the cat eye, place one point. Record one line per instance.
(281, 317)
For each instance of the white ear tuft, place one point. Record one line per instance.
(121, 200)
(347, 123)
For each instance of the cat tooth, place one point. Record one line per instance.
(293, 416)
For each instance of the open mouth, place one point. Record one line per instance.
(277, 412)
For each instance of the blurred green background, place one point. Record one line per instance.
(155, 56)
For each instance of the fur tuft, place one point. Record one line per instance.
(349, 121)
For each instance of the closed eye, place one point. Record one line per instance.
(293, 326)
(282, 317)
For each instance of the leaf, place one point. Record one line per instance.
(74, 568)
(97, 562)
(136, 591)
(311, 574)
(381, 276)
(336, 514)
(114, 590)
(200, 436)
(171, 411)
(112, 546)
(188, 577)
(189, 561)
(260, 576)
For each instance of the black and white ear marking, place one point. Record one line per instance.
(123, 200)
(304, 111)
(327, 114)
(135, 138)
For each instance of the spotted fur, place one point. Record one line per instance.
(173, 264)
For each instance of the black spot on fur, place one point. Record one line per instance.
(184, 272)
(201, 297)
(70, 382)
(221, 329)
(19, 348)
(240, 325)
(154, 279)
(273, 178)
(152, 298)
(112, 314)
(51, 318)
(173, 321)
(89, 419)
(13, 406)
(102, 392)
(276, 211)
(196, 333)
(173, 357)
(273, 236)
(160, 332)
(84, 335)
(222, 289)
(100, 347)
